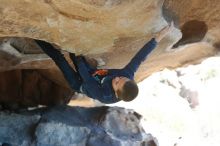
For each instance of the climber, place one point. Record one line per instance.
(106, 85)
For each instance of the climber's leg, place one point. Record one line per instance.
(70, 75)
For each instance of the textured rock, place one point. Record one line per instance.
(106, 28)
(113, 30)
(79, 25)
(99, 28)
(61, 134)
(197, 10)
(76, 126)
(19, 89)
(17, 129)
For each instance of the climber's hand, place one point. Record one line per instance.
(163, 32)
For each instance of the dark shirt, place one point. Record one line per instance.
(102, 90)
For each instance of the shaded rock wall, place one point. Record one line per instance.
(24, 88)
(25, 79)
(74, 126)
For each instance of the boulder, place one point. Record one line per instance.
(64, 125)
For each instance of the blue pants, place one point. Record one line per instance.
(72, 77)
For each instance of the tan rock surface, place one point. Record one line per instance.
(201, 10)
(80, 26)
(105, 28)
(113, 30)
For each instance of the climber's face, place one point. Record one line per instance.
(118, 83)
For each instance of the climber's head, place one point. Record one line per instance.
(125, 89)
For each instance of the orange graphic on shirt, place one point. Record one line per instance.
(101, 72)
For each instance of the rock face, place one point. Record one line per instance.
(113, 30)
(197, 13)
(106, 28)
(76, 126)
(30, 88)
(90, 27)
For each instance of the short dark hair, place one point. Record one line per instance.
(129, 91)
